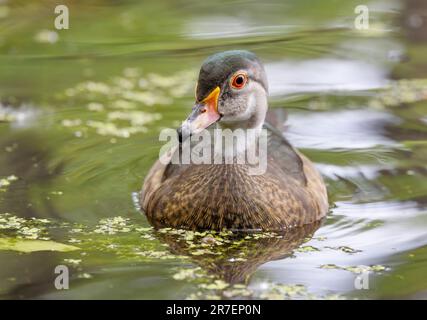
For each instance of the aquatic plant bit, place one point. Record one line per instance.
(112, 225)
(5, 182)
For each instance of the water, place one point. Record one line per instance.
(80, 114)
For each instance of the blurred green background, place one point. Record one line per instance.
(80, 114)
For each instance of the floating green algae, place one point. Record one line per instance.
(356, 269)
(123, 104)
(307, 249)
(6, 115)
(400, 92)
(74, 262)
(33, 228)
(217, 264)
(283, 291)
(112, 225)
(227, 259)
(218, 289)
(27, 246)
(28, 235)
(188, 274)
(5, 182)
(345, 249)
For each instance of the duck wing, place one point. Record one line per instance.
(283, 155)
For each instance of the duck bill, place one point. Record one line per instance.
(202, 116)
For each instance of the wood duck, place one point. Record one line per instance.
(231, 93)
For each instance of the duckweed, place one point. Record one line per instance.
(216, 285)
(112, 225)
(125, 94)
(307, 249)
(28, 246)
(111, 129)
(345, 249)
(136, 118)
(237, 291)
(283, 291)
(189, 274)
(46, 36)
(24, 228)
(119, 236)
(73, 262)
(5, 182)
(400, 92)
(356, 269)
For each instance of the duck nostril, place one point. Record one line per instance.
(202, 110)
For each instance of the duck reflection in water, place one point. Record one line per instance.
(234, 257)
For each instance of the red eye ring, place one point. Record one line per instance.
(239, 80)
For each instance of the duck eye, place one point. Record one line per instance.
(239, 80)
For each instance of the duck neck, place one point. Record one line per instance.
(238, 138)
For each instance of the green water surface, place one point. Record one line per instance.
(80, 115)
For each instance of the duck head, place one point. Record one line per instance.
(231, 91)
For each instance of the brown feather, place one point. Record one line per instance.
(290, 193)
